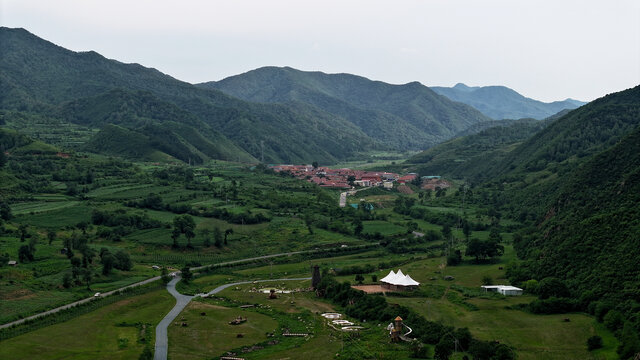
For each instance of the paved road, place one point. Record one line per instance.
(162, 341)
(144, 282)
(161, 329)
(156, 278)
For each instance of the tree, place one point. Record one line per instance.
(487, 280)
(25, 254)
(5, 211)
(359, 278)
(206, 237)
(87, 276)
(494, 234)
(444, 348)
(314, 164)
(23, 232)
(147, 354)
(187, 275)
(446, 231)
(165, 276)
(108, 263)
(630, 343)
(66, 280)
(217, 237)
(227, 232)
(123, 261)
(551, 286)
(374, 278)
(51, 235)
(175, 234)
(358, 227)
(455, 258)
(189, 234)
(594, 342)
(466, 229)
(82, 226)
(3, 158)
(482, 250)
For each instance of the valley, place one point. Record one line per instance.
(146, 217)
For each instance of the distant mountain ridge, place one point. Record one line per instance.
(500, 102)
(409, 116)
(38, 78)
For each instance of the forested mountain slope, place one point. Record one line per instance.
(500, 102)
(469, 157)
(409, 116)
(153, 127)
(37, 77)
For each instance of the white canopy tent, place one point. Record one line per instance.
(398, 281)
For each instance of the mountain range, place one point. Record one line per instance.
(500, 102)
(273, 114)
(409, 116)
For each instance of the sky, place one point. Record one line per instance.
(546, 50)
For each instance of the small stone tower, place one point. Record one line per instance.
(315, 276)
(397, 329)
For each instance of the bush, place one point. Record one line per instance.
(553, 305)
(594, 342)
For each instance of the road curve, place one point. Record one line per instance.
(162, 341)
(144, 282)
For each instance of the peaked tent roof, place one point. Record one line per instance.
(389, 277)
(399, 279)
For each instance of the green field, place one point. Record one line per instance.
(96, 335)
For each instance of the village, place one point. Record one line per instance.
(345, 178)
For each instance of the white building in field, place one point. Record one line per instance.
(398, 282)
(506, 290)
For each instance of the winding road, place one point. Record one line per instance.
(162, 341)
(144, 282)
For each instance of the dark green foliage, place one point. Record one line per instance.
(454, 258)
(499, 102)
(217, 237)
(483, 249)
(592, 225)
(123, 261)
(553, 305)
(470, 156)
(444, 348)
(3, 158)
(164, 276)
(614, 320)
(40, 87)
(25, 253)
(359, 278)
(5, 211)
(552, 287)
(594, 343)
(147, 354)
(630, 341)
(186, 274)
(409, 116)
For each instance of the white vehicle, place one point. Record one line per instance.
(96, 294)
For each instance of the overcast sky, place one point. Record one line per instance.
(547, 50)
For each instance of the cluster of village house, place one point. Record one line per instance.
(344, 178)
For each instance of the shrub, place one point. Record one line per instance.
(594, 342)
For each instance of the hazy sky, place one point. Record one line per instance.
(547, 50)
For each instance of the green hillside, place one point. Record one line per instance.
(161, 126)
(39, 76)
(409, 116)
(500, 102)
(469, 156)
